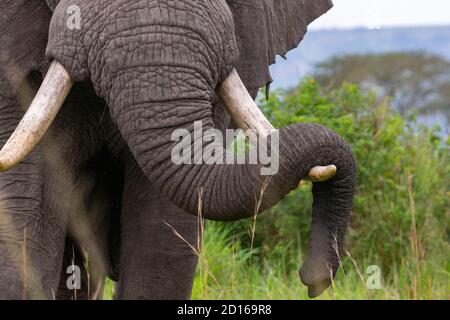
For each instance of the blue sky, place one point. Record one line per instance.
(376, 14)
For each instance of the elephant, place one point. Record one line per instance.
(90, 95)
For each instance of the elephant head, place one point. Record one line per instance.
(158, 64)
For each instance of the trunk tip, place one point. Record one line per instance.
(316, 284)
(317, 289)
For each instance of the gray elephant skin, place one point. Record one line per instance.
(100, 190)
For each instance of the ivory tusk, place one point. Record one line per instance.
(320, 174)
(246, 115)
(40, 115)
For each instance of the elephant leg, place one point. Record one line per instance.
(40, 200)
(54, 190)
(155, 263)
(31, 237)
(31, 232)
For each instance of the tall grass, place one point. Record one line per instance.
(273, 278)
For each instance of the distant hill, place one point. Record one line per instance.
(320, 45)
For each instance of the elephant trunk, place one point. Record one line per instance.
(331, 212)
(227, 191)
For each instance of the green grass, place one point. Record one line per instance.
(225, 273)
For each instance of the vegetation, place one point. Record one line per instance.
(413, 80)
(399, 223)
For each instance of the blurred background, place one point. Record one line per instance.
(400, 49)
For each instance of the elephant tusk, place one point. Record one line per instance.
(40, 115)
(241, 106)
(246, 115)
(320, 174)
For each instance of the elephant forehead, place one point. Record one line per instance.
(114, 17)
(143, 32)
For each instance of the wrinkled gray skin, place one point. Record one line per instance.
(102, 179)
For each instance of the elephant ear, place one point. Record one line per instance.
(266, 28)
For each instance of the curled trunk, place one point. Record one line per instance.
(236, 191)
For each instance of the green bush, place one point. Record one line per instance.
(401, 212)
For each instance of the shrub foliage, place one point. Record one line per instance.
(401, 211)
